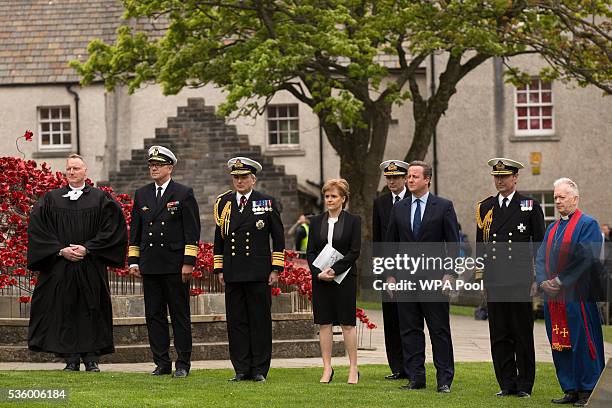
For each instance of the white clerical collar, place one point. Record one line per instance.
(500, 198)
(567, 217)
(74, 192)
(401, 195)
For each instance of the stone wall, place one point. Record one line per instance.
(203, 143)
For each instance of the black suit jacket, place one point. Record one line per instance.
(164, 237)
(380, 216)
(346, 240)
(242, 248)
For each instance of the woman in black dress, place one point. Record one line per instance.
(333, 303)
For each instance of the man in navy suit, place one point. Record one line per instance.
(395, 172)
(425, 218)
(164, 235)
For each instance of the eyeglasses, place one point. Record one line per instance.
(157, 165)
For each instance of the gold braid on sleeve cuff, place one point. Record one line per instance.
(134, 250)
(218, 261)
(278, 259)
(191, 250)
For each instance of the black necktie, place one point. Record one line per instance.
(159, 195)
(396, 200)
(504, 205)
(243, 201)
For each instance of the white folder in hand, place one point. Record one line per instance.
(327, 258)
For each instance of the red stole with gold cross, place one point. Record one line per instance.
(560, 338)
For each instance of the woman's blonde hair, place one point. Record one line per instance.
(341, 185)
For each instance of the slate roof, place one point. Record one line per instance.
(38, 38)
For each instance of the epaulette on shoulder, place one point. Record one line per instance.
(221, 212)
(484, 223)
(222, 194)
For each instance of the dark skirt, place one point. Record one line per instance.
(333, 303)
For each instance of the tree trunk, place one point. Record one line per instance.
(360, 157)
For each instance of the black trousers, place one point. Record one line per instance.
(393, 340)
(77, 357)
(249, 326)
(163, 293)
(411, 316)
(512, 348)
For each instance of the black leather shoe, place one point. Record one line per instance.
(412, 385)
(259, 378)
(583, 399)
(395, 376)
(72, 367)
(568, 398)
(161, 371)
(180, 373)
(523, 394)
(445, 389)
(239, 377)
(92, 366)
(505, 393)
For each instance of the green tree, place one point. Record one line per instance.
(326, 54)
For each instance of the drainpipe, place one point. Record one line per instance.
(432, 86)
(321, 175)
(76, 109)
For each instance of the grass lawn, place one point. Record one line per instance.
(454, 309)
(462, 310)
(474, 386)
(369, 305)
(607, 333)
(469, 311)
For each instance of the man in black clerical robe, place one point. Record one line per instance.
(75, 233)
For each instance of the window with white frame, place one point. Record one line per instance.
(283, 125)
(534, 109)
(54, 128)
(547, 202)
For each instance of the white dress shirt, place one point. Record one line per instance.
(238, 195)
(500, 199)
(163, 188)
(400, 195)
(330, 229)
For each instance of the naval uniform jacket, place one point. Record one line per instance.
(242, 240)
(164, 237)
(507, 241)
(381, 212)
